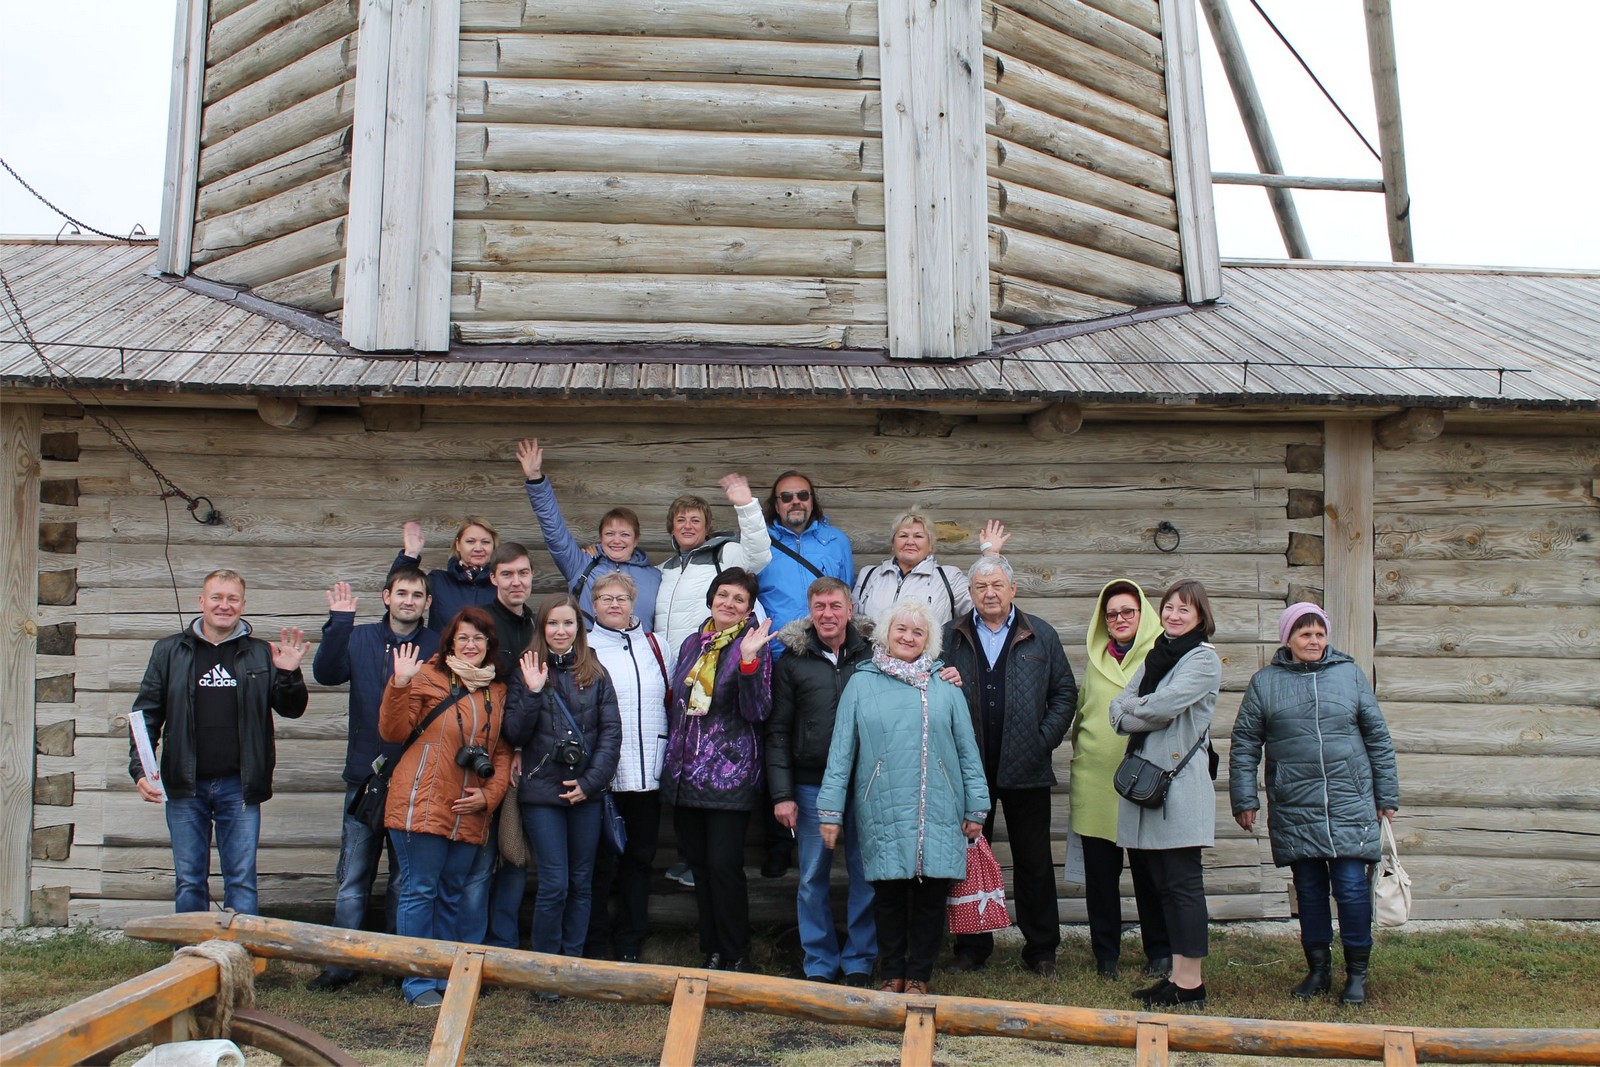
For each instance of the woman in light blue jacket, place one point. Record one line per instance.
(904, 737)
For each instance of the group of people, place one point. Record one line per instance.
(890, 713)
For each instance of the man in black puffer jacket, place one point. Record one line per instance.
(822, 653)
(1022, 696)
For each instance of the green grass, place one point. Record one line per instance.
(1535, 975)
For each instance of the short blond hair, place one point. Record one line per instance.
(222, 574)
(913, 607)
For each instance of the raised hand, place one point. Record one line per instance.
(534, 673)
(289, 649)
(754, 640)
(406, 665)
(531, 456)
(994, 536)
(412, 538)
(737, 488)
(340, 598)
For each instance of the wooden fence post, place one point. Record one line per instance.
(19, 570)
(683, 1025)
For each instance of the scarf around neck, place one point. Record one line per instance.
(917, 674)
(702, 676)
(1164, 655)
(472, 678)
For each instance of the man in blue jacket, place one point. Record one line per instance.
(805, 547)
(364, 657)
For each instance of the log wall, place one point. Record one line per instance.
(1487, 588)
(275, 139)
(303, 509)
(1082, 218)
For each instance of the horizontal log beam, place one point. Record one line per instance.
(1295, 181)
(814, 1002)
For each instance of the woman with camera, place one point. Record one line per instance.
(721, 695)
(447, 781)
(564, 718)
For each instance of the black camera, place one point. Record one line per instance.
(476, 759)
(567, 753)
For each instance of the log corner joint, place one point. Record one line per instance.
(1055, 422)
(1409, 427)
(286, 413)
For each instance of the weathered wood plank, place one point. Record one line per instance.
(508, 146)
(681, 297)
(1028, 83)
(817, 20)
(280, 257)
(460, 1005)
(585, 247)
(670, 105)
(1511, 833)
(1083, 224)
(1079, 145)
(1040, 170)
(1487, 582)
(251, 21)
(319, 288)
(1086, 269)
(1576, 455)
(1535, 782)
(1191, 154)
(1481, 493)
(578, 331)
(1549, 629)
(175, 224)
(1348, 495)
(19, 563)
(683, 1024)
(1532, 534)
(634, 59)
(1489, 681)
(1014, 33)
(292, 210)
(1494, 729)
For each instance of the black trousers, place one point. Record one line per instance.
(1033, 875)
(713, 843)
(911, 920)
(1177, 879)
(628, 876)
(1102, 875)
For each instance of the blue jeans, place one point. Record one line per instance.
(491, 906)
(564, 840)
(433, 875)
(219, 803)
(814, 911)
(359, 848)
(1352, 891)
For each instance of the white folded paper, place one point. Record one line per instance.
(147, 755)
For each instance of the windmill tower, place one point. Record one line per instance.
(907, 176)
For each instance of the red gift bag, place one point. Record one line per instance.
(978, 902)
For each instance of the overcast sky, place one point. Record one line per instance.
(1498, 111)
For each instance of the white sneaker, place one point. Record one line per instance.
(679, 872)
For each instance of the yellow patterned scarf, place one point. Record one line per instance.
(703, 676)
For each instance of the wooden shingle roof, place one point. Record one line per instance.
(1294, 334)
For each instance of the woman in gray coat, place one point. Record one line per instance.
(1331, 776)
(1168, 703)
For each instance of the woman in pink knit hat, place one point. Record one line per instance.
(1331, 778)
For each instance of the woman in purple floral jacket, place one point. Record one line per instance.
(721, 695)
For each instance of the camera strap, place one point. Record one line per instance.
(561, 702)
(427, 721)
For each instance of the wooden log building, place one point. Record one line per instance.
(677, 239)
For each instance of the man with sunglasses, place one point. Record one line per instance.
(805, 547)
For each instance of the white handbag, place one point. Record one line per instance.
(1391, 888)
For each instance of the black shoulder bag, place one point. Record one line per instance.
(368, 805)
(1141, 781)
(613, 831)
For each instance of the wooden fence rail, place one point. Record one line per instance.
(691, 991)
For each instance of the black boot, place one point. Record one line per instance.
(1319, 964)
(1355, 975)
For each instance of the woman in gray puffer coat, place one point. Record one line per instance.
(1331, 777)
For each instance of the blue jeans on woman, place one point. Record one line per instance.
(433, 875)
(564, 840)
(217, 803)
(1351, 890)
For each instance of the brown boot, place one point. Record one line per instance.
(893, 985)
(916, 988)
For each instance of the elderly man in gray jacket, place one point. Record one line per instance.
(1022, 696)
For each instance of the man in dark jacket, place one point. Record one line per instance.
(207, 700)
(491, 905)
(364, 657)
(1022, 695)
(823, 651)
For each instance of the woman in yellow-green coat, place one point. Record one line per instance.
(1121, 633)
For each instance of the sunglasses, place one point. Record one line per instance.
(789, 498)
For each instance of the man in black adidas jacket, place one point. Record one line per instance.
(207, 697)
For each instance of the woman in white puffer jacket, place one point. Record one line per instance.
(639, 664)
(701, 555)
